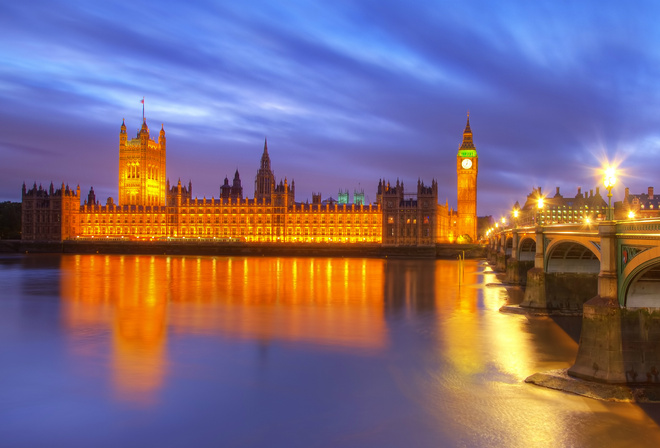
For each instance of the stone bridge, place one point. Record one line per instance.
(611, 271)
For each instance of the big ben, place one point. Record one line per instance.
(467, 167)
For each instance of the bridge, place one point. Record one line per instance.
(610, 271)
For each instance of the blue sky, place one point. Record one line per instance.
(347, 92)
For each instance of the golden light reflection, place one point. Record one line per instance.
(124, 295)
(335, 303)
(485, 351)
(285, 299)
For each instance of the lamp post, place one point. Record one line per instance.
(515, 214)
(609, 181)
(540, 208)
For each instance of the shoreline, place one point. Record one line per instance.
(560, 380)
(368, 250)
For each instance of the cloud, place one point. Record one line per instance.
(347, 92)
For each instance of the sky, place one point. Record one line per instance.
(346, 92)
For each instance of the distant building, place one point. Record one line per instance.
(342, 197)
(559, 209)
(644, 205)
(358, 197)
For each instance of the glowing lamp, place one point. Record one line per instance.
(609, 180)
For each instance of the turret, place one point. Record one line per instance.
(236, 188)
(91, 197)
(122, 134)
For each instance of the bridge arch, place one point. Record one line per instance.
(571, 256)
(527, 248)
(641, 280)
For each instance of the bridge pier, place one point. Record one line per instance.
(561, 291)
(617, 345)
(500, 264)
(492, 251)
(516, 269)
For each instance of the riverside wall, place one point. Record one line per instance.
(370, 250)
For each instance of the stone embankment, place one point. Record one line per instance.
(371, 250)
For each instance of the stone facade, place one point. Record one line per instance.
(467, 168)
(149, 208)
(142, 168)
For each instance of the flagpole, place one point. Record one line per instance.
(143, 109)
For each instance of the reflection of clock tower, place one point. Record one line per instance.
(467, 166)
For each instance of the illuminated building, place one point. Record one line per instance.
(142, 166)
(562, 210)
(640, 206)
(467, 168)
(150, 208)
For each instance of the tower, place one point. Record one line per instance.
(467, 167)
(142, 168)
(264, 184)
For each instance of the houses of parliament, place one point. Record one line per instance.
(149, 207)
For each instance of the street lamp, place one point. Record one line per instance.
(631, 214)
(515, 214)
(609, 182)
(540, 208)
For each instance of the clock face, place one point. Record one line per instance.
(466, 163)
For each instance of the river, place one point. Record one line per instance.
(166, 351)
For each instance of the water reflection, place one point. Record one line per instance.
(333, 303)
(285, 352)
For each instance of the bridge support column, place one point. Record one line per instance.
(604, 325)
(492, 251)
(512, 264)
(501, 254)
(535, 290)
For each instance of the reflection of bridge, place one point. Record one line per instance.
(612, 271)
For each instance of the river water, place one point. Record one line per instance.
(163, 351)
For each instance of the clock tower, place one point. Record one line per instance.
(467, 166)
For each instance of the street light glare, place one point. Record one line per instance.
(610, 177)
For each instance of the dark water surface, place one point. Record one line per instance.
(144, 351)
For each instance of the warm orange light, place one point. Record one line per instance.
(610, 177)
(631, 214)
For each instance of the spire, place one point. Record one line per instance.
(467, 143)
(265, 158)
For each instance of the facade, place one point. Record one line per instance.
(467, 168)
(142, 168)
(149, 208)
(643, 205)
(50, 215)
(412, 220)
(562, 210)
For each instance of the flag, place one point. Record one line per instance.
(142, 100)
